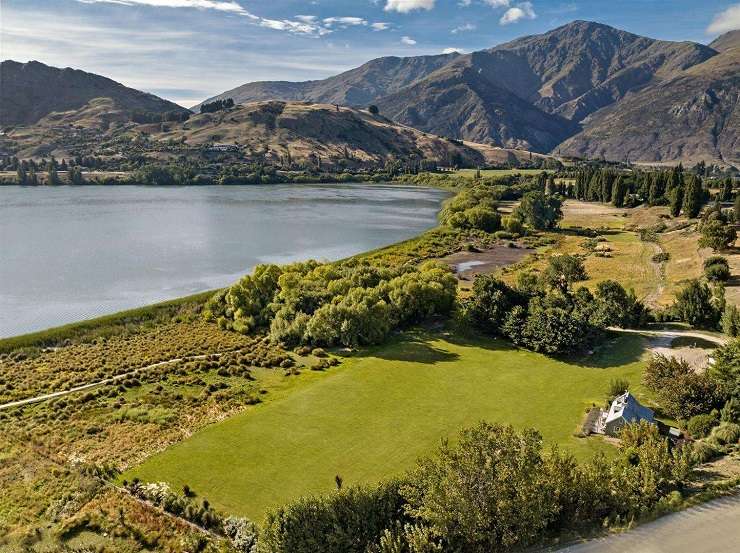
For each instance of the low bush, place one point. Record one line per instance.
(702, 452)
(699, 426)
(726, 433)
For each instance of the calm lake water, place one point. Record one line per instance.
(73, 253)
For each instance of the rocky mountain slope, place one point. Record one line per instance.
(692, 116)
(30, 91)
(537, 92)
(356, 88)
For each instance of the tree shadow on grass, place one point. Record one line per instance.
(414, 351)
(614, 350)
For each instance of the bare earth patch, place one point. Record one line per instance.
(467, 265)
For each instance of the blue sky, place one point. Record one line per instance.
(187, 50)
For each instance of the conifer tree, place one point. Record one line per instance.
(692, 199)
(619, 191)
(675, 199)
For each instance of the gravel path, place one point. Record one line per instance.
(712, 527)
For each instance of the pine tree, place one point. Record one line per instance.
(52, 175)
(675, 197)
(727, 190)
(22, 177)
(619, 191)
(692, 199)
(550, 185)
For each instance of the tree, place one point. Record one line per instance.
(730, 321)
(52, 178)
(619, 191)
(21, 175)
(726, 194)
(614, 306)
(489, 493)
(717, 234)
(693, 197)
(539, 211)
(373, 109)
(694, 305)
(675, 200)
(75, 176)
(682, 392)
(726, 368)
(491, 300)
(563, 270)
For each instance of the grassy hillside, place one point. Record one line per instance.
(377, 413)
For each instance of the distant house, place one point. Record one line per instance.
(624, 409)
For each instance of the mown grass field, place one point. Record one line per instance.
(375, 415)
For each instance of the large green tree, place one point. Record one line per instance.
(488, 493)
(539, 211)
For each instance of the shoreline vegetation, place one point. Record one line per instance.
(276, 336)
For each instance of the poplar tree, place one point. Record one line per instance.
(692, 197)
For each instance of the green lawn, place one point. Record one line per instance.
(376, 414)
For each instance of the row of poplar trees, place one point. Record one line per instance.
(680, 191)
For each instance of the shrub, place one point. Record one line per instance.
(617, 387)
(730, 321)
(702, 452)
(661, 257)
(717, 273)
(699, 426)
(727, 433)
(349, 520)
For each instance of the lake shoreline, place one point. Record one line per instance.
(57, 333)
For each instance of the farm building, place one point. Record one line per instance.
(623, 410)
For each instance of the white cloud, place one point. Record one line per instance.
(453, 51)
(306, 18)
(525, 10)
(380, 26)
(406, 6)
(464, 3)
(463, 28)
(498, 3)
(219, 5)
(728, 20)
(344, 21)
(408, 40)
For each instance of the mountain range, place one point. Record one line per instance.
(580, 89)
(584, 89)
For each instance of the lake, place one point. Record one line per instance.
(73, 253)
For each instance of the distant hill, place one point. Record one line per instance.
(277, 132)
(543, 92)
(31, 91)
(303, 131)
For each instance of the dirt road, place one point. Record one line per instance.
(713, 527)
